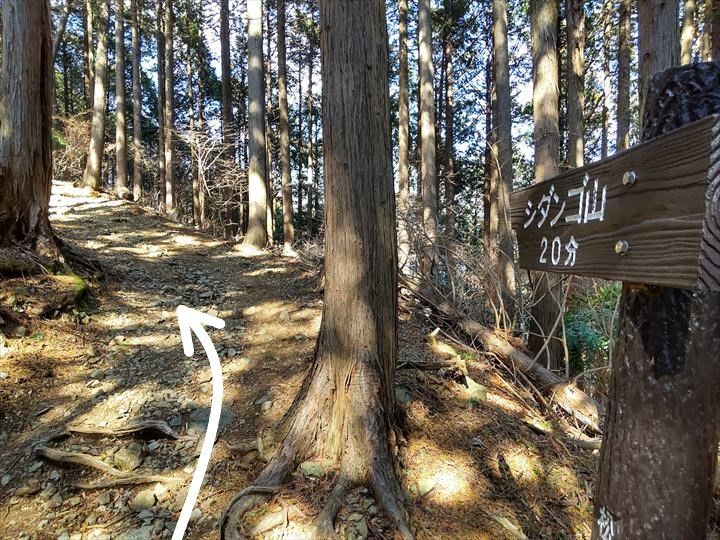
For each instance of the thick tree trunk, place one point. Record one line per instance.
(299, 168)
(137, 100)
(91, 176)
(427, 127)
(288, 226)
(575, 11)
(310, 165)
(256, 236)
(160, 39)
(658, 456)
(169, 116)
(269, 189)
(623, 77)
(687, 35)
(403, 139)
(347, 408)
(121, 153)
(503, 110)
(547, 141)
(26, 96)
(659, 48)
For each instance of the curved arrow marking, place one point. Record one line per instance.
(189, 321)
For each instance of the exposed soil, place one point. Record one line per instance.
(472, 467)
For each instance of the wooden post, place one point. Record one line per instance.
(658, 456)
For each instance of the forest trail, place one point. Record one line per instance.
(474, 469)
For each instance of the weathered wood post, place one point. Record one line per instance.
(658, 456)
(649, 217)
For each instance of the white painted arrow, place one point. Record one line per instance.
(189, 321)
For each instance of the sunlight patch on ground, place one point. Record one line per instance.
(521, 463)
(504, 403)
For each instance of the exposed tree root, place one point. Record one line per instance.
(324, 524)
(147, 425)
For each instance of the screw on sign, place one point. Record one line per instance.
(649, 217)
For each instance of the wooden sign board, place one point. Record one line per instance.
(645, 215)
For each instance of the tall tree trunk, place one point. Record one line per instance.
(269, 189)
(427, 125)
(658, 48)
(121, 153)
(606, 81)
(449, 143)
(67, 97)
(256, 236)
(137, 100)
(506, 259)
(707, 31)
(299, 167)
(228, 123)
(310, 167)
(201, 172)
(26, 97)
(91, 176)
(488, 238)
(160, 39)
(88, 54)
(623, 78)
(346, 410)
(194, 166)
(403, 140)
(687, 35)
(715, 26)
(60, 31)
(288, 227)
(545, 310)
(170, 191)
(575, 13)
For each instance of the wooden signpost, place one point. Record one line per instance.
(649, 216)
(646, 215)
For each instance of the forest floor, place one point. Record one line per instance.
(473, 468)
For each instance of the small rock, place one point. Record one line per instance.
(3, 374)
(74, 501)
(153, 445)
(354, 517)
(312, 469)
(49, 491)
(35, 466)
(362, 529)
(402, 394)
(21, 331)
(284, 316)
(54, 476)
(103, 499)
(62, 534)
(142, 533)
(145, 514)
(144, 500)
(98, 374)
(175, 421)
(97, 534)
(55, 501)
(266, 406)
(231, 352)
(31, 488)
(5, 480)
(129, 457)
(475, 393)
(196, 514)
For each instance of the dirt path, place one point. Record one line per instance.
(474, 470)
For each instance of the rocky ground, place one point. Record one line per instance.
(112, 359)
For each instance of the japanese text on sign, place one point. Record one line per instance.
(591, 207)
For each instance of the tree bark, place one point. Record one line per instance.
(545, 311)
(403, 139)
(503, 121)
(91, 176)
(575, 11)
(137, 100)
(659, 48)
(170, 189)
(267, 88)
(299, 168)
(26, 97)
(160, 39)
(347, 407)
(658, 457)
(121, 153)
(687, 35)
(427, 126)
(623, 78)
(310, 169)
(256, 236)
(288, 226)
(715, 25)
(449, 143)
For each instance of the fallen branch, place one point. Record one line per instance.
(77, 458)
(147, 425)
(571, 399)
(586, 444)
